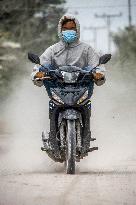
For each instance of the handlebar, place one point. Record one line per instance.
(57, 72)
(43, 78)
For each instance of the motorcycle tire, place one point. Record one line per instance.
(70, 147)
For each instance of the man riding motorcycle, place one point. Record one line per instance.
(69, 51)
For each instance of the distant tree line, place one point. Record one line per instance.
(125, 41)
(30, 23)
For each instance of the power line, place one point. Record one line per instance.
(73, 7)
(108, 18)
(104, 6)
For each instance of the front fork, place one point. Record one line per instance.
(58, 115)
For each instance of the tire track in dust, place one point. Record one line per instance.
(69, 190)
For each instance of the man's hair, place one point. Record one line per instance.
(67, 20)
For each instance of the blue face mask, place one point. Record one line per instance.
(69, 36)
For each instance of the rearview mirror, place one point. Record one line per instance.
(104, 59)
(34, 58)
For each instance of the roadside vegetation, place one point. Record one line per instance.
(125, 41)
(25, 26)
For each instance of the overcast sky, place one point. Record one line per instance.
(85, 11)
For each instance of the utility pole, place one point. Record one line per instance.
(129, 13)
(94, 29)
(108, 18)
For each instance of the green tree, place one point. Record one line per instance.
(32, 24)
(125, 41)
(124, 60)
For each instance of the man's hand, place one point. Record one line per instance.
(98, 76)
(39, 75)
(37, 81)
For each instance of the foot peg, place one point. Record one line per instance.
(92, 149)
(93, 139)
(43, 149)
(44, 139)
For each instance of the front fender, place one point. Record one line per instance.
(69, 114)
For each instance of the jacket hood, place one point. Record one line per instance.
(68, 16)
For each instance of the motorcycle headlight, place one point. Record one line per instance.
(57, 98)
(70, 77)
(83, 97)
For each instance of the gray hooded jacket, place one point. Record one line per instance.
(77, 53)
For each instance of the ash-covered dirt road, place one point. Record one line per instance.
(85, 188)
(29, 178)
(105, 177)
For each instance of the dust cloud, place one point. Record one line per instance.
(113, 124)
(26, 114)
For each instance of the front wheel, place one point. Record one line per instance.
(70, 147)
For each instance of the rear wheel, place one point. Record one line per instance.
(70, 147)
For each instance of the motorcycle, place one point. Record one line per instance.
(70, 89)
